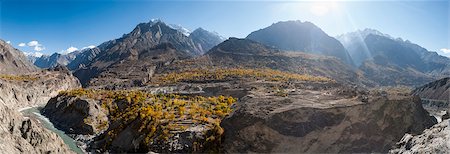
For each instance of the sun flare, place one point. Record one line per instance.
(323, 8)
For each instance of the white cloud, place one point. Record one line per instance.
(9, 42)
(21, 44)
(446, 51)
(69, 50)
(36, 45)
(33, 43)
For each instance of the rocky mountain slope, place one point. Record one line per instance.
(390, 61)
(133, 70)
(130, 48)
(436, 90)
(13, 61)
(303, 37)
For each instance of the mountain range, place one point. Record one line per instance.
(162, 88)
(366, 57)
(391, 61)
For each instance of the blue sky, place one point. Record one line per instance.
(51, 26)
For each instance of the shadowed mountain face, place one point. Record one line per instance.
(13, 61)
(390, 61)
(247, 53)
(301, 36)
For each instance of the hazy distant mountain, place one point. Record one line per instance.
(301, 36)
(13, 61)
(85, 56)
(204, 39)
(55, 59)
(392, 61)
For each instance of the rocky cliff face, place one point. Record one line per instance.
(433, 140)
(25, 135)
(35, 89)
(69, 114)
(320, 124)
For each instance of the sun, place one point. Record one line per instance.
(323, 8)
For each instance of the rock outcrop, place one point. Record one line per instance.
(433, 140)
(24, 135)
(75, 115)
(313, 123)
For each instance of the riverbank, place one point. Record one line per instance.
(33, 112)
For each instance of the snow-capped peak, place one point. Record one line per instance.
(33, 54)
(180, 28)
